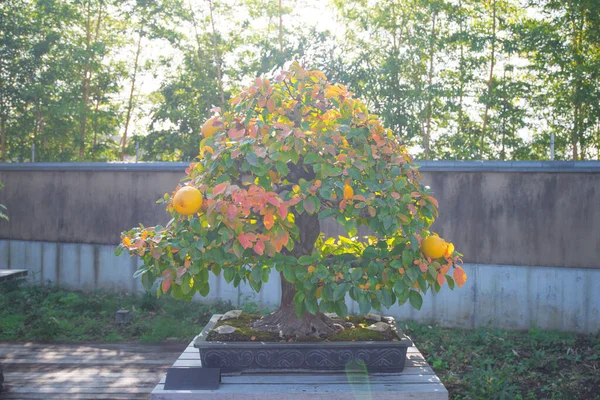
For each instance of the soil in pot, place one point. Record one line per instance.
(355, 330)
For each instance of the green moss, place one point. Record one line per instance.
(245, 332)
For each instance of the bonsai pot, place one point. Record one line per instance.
(372, 356)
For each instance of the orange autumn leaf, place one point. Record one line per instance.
(311, 269)
(269, 220)
(441, 280)
(259, 247)
(348, 192)
(460, 277)
(220, 188)
(166, 284)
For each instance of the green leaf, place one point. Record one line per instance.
(311, 158)
(370, 252)
(204, 289)
(305, 260)
(341, 309)
(450, 282)
(257, 273)
(311, 305)
(299, 304)
(416, 300)
(252, 159)
(228, 274)
(282, 168)
(399, 286)
(288, 273)
(386, 298)
(340, 291)
(364, 305)
(195, 225)
(422, 283)
(407, 258)
(327, 213)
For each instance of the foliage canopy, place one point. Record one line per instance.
(287, 150)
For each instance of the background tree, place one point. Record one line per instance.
(282, 157)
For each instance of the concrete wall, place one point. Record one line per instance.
(530, 232)
(503, 296)
(495, 213)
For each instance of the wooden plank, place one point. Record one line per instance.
(324, 379)
(308, 392)
(61, 396)
(85, 390)
(49, 356)
(9, 274)
(83, 381)
(138, 348)
(74, 361)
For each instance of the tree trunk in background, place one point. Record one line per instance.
(490, 80)
(427, 137)
(217, 57)
(131, 91)
(3, 130)
(280, 30)
(461, 87)
(85, 86)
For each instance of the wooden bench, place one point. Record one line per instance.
(9, 274)
(417, 381)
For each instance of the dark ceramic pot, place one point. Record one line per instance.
(388, 356)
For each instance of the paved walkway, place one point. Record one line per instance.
(84, 371)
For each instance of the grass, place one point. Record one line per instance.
(47, 313)
(472, 364)
(500, 364)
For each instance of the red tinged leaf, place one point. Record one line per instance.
(259, 247)
(396, 195)
(231, 212)
(243, 239)
(441, 279)
(270, 105)
(236, 134)
(371, 211)
(262, 101)
(460, 277)
(269, 220)
(166, 284)
(283, 211)
(309, 206)
(433, 201)
(359, 197)
(416, 195)
(423, 267)
(220, 188)
(293, 201)
(181, 271)
(272, 199)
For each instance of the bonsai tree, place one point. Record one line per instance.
(285, 156)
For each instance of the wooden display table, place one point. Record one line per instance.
(417, 381)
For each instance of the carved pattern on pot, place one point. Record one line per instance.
(280, 359)
(227, 358)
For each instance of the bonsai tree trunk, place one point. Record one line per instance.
(284, 320)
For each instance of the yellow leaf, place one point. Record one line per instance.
(311, 269)
(348, 192)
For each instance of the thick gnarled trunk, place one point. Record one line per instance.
(284, 320)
